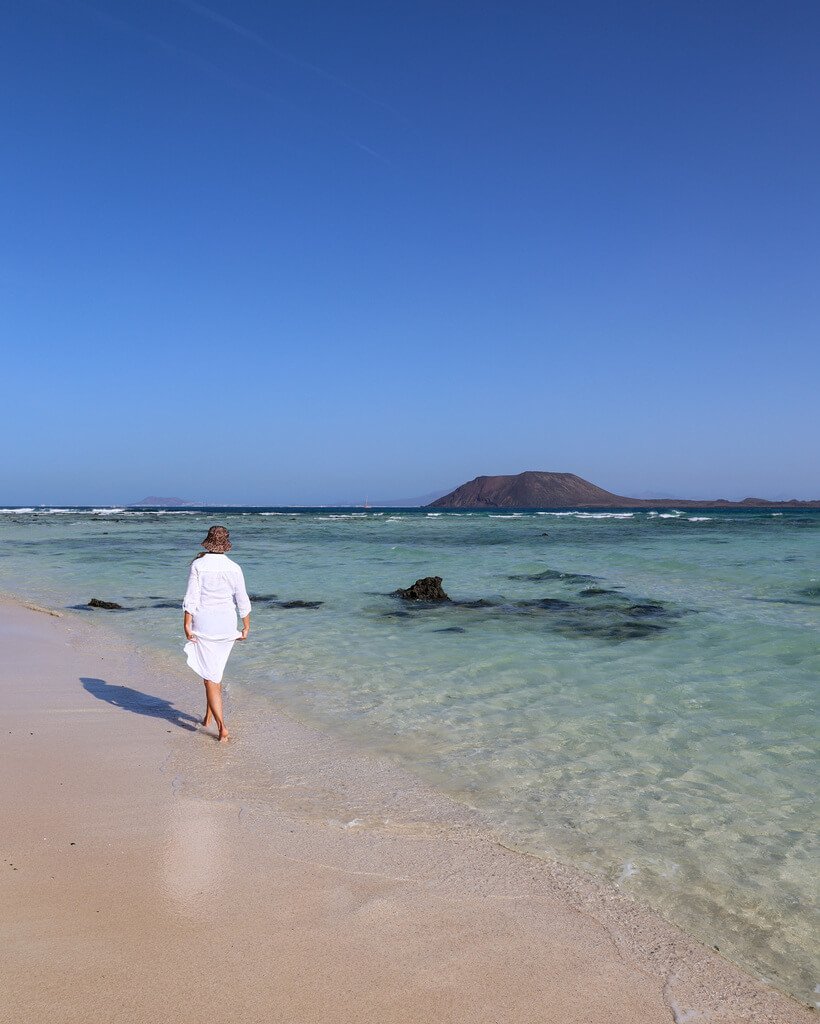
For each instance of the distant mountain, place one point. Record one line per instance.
(566, 490)
(153, 500)
(424, 499)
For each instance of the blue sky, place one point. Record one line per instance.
(263, 252)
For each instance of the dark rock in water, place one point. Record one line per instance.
(548, 603)
(274, 602)
(648, 610)
(813, 590)
(612, 617)
(426, 589)
(615, 631)
(554, 574)
(95, 602)
(166, 604)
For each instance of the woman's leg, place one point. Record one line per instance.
(207, 719)
(213, 691)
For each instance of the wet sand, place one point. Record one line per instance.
(154, 874)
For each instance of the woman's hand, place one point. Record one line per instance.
(190, 636)
(187, 623)
(244, 634)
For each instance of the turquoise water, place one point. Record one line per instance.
(627, 691)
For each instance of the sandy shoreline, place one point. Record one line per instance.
(153, 874)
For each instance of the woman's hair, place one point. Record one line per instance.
(201, 554)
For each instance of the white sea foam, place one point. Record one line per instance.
(699, 519)
(627, 871)
(14, 511)
(603, 515)
(681, 1016)
(591, 515)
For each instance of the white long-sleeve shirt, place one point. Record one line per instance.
(215, 581)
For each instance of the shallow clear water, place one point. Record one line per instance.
(631, 692)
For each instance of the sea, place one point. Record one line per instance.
(629, 691)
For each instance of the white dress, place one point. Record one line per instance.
(216, 592)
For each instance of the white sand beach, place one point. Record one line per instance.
(152, 874)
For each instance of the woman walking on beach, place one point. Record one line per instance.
(216, 592)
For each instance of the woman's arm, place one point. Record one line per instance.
(187, 622)
(190, 602)
(243, 603)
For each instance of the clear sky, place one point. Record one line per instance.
(268, 252)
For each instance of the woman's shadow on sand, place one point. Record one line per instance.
(140, 703)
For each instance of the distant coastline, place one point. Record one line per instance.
(153, 501)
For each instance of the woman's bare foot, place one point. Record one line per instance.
(224, 735)
(207, 719)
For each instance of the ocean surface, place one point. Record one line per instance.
(629, 691)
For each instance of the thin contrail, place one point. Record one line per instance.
(246, 33)
(216, 72)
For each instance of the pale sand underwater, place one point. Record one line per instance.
(152, 874)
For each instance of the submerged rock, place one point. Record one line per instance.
(549, 603)
(650, 609)
(273, 601)
(597, 613)
(615, 630)
(554, 574)
(427, 589)
(95, 602)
